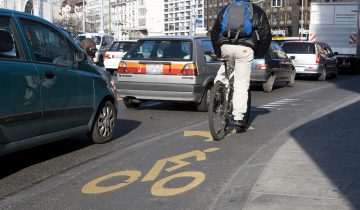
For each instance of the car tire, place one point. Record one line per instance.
(203, 106)
(336, 73)
(269, 84)
(130, 103)
(104, 123)
(101, 61)
(323, 75)
(291, 82)
(111, 71)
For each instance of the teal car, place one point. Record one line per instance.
(49, 89)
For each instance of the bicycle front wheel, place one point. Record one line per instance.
(217, 111)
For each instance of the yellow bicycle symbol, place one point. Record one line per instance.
(159, 187)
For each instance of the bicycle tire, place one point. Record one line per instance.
(216, 106)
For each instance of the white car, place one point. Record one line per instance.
(117, 50)
(103, 43)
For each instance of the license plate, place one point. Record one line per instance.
(154, 68)
(299, 69)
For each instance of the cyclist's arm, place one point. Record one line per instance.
(264, 32)
(216, 31)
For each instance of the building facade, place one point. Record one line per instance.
(291, 19)
(183, 17)
(41, 8)
(133, 19)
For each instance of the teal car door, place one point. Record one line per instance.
(20, 106)
(67, 93)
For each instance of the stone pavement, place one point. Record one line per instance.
(313, 165)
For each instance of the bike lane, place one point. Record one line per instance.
(183, 169)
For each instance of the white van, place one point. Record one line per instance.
(103, 42)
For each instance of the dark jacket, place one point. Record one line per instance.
(259, 40)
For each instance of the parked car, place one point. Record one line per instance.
(276, 66)
(168, 68)
(115, 53)
(103, 42)
(311, 58)
(49, 89)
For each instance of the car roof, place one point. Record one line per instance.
(95, 34)
(125, 41)
(298, 41)
(174, 37)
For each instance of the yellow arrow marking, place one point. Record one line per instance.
(205, 134)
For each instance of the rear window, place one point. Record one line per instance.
(298, 48)
(177, 50)
(121, 46)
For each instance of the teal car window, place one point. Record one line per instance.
(48, 45)
(8, 46)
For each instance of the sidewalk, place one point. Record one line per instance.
(314, 165)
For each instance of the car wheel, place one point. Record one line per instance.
(291, 81)
(104, 123)
(269, 84)
(336, 73)
(111, 71)
(323, 75)
(130, 103)
(101, 61)
(204, 103)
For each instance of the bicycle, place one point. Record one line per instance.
(220, 103)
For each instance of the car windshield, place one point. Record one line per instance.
(298, 48)
(96, 39)
(161, 50)
(121, 46)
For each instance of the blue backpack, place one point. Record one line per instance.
(237, 20)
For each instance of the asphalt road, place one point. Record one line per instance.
(59, 175)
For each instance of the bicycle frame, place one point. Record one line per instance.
(229, 74)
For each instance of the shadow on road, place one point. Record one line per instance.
(256, 111)
(124, 127)
(331, 146)
(19, 160)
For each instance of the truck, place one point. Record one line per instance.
(337, 24)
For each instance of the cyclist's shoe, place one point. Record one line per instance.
(240, 125)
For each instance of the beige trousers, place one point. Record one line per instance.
(240, 58)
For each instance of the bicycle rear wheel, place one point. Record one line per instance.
(217, 112)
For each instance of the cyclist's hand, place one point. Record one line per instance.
(212, 54)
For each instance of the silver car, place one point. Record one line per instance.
(312, 58)
(168, 68)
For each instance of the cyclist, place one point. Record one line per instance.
(241, 51)
(89, 46)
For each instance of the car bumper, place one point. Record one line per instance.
(259, 75)
(309, 69)
(111, 63)
(151, 91)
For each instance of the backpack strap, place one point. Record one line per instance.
(236, 36)
(251, 12)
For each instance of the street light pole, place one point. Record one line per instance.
(302, 18)
(84, 15)
(102, 17)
